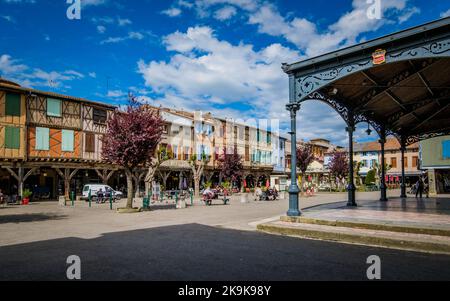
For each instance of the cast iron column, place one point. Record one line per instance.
(383, 167)
(351, 185)
(293, 189)
(403, 149)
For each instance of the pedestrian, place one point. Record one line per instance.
(100, 196)
(419, 188)
(2, 197)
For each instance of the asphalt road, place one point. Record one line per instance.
(191, 252)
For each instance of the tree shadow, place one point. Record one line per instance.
(29, 218)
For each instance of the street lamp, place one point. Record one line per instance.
(368, 131)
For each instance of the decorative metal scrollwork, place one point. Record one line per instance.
(340, 108)
(417, 138)
(309, 83)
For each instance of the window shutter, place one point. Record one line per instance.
(89, 143)
(53, 107)
(12, 104)
(67, 141)
(42, 139)
(12, 137)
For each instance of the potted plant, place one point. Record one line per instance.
(26, 197)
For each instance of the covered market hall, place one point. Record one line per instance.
(399, 84)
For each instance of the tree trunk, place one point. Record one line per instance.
(302, 183)
(197, 186)
(67, 188)
(129, 189)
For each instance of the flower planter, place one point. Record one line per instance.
(26, 201)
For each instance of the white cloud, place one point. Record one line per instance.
(225, 13)
(116, 94)
(132, 35)
(408, 13)
(172, 12)
(8, 19)
(20, 1)
(345, 31)
(101, 29)
(206, 71)
(35, 77)
(123, 22)
(93, 74)
(9, 66)
(445, 14)
(93, 2)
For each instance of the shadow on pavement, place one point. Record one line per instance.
(196, 252)
(28, 218)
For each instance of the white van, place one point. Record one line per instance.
(94, 188)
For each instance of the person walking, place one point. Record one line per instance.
(419, 188)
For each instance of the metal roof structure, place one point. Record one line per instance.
(400, 82)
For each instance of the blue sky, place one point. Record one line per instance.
(222, 56)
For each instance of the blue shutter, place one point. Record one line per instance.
(42, 139)
(67, 141)
(53, 107)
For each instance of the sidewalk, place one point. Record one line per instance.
(419, 225)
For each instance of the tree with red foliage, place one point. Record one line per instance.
(339, 166)
(305, 156)
(230, 165)
(131, 140)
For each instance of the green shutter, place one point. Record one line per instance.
(53, 107)
(67, 141)
(12, 137)
(12, 104)
(42, 139)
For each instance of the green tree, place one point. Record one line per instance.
(370, 178)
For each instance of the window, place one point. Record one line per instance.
(247, 153)
(166, 129)
(446, 149)
(100, 116)
(12, 137)
(12, 104)
(415, 161)
(42, 139)
(405, 159)
(53, 107)
(89, 146)
(269, 138)
(175, 152)
(186, 152)
(258, 136)
(67, 141)
(241, 134)
(394, 162)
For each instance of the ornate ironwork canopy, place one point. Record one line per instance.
(399, 83)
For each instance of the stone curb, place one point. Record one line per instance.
(420, 246)
(368, 226)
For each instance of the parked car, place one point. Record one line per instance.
(324, 187)
(94, 188)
